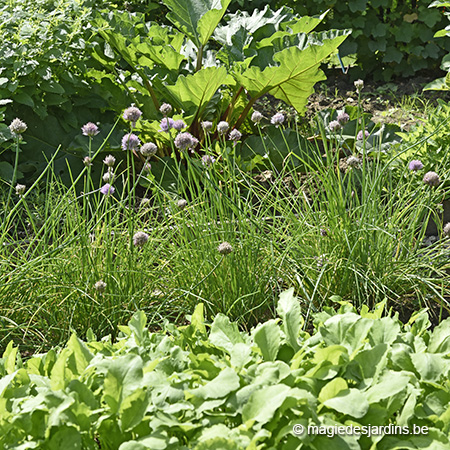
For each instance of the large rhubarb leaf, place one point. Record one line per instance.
(193, 92)
(197, 19)
(294, 74)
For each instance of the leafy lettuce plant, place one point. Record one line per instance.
(207, 385)
(210, 71)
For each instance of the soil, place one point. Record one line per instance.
(382, 100)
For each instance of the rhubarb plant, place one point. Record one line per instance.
(209, 71)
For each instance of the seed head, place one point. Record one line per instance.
(148, 149)
(277, 119)
(140, 239)
(182, 203)
(130, 142)
(100, 286)
(415, 165)
(18, 127)
(343, 118)
(132, 114)
(334, 126)
(235, 135)
(223, 127)
(225, 248)
(20, 189)
(107, 189)
(87, 161)
(359, 84)
(431, 179)
(166, 109)
(166, 124)
(90, 129)
(207, 125)
(184, 141)
(109, 160)
(360, 136)
(179, 125)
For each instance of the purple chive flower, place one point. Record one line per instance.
(235, 135)
(179, 125)
(140, 238)
(415, 165)
(166, 124)
(90, 129)
(256, 117)
(277, 119)
(148, 149)
(343, 118)
(360, 135)
(431, 179)
(334, 126)
(223, 127)
(208, 160)
(130, 142)
(147, 167)
(18, 127)
(184, 141)
(132, 114)
(207, 125)
(107, 189)
(109, 160)
(166, 109)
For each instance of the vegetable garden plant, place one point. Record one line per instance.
(210, 386)
(212, 208)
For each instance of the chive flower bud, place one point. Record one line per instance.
(182, 203)
(100, 286)
(223, 127)
(90, 129)
(18, 127)
(235, 135)
(148, 149)
(20, 189)
(166, 109)
(277, 119)
(109, 160)
(431, 179)
(207, 125)
(87, 161)
(256, 117)
(140, 238)
(225, 248)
